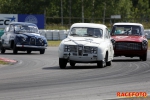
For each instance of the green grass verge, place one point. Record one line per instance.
(3, 62)
(53, 43)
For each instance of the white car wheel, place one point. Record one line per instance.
(102, 64)
(108, 63)
(62, 63)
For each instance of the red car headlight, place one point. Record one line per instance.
(144, 44)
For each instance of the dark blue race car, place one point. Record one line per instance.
(22, 36)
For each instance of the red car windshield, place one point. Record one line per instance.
(126, 30)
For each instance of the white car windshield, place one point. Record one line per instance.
(25, 28)
(86, 32)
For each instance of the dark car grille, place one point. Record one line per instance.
(38, 42)
(32, 41)
(127, 46)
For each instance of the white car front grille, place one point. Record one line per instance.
(80, 50)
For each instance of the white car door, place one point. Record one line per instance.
(108, 43)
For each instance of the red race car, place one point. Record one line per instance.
(129, 40)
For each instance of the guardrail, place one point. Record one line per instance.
(54, 34)
(60, 34)
(148, 33)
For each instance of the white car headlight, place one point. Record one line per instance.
(70, 48)
(94, 50)
(91, 50)
(66, 48)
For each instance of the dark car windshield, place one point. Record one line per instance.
(26, 28)
(126, 30)
(86, 32)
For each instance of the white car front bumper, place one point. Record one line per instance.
(81, 58)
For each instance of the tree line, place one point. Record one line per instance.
(79, 10)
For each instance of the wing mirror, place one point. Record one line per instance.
(17, 28)
(146, 35)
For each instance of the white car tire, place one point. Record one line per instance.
(108, 63)
(102, 64)
(62, 63)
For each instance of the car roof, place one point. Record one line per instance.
(22, 23)
(123, 23)
(93, 25)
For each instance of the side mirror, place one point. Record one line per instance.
(6, 29)
(17, 28)
(73, 31)
(146, 35)
(39, 32)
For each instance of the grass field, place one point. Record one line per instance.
(3, 62)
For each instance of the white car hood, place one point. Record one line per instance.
(86, 41)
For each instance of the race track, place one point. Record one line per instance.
(38, 77)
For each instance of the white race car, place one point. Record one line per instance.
(86, 43)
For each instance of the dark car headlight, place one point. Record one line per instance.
(41, 40)
(144, 44)
(23, 39)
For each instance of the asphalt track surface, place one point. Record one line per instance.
(38, 77)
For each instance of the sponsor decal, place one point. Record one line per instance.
(37, 19)
(12, 19)
(131, 94)
(5, 19)
(31, 19)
